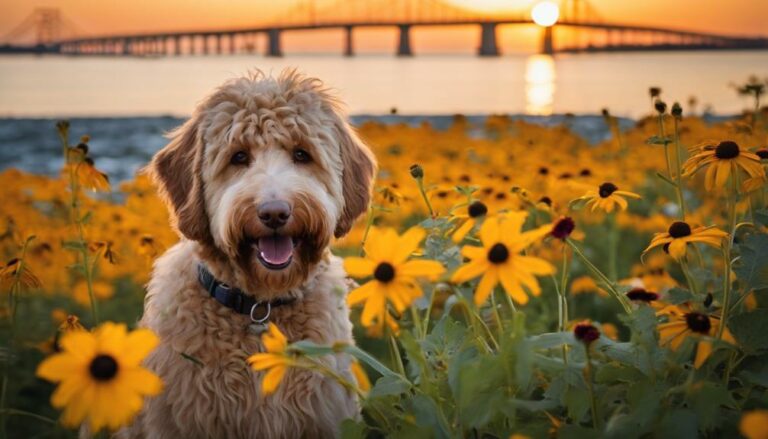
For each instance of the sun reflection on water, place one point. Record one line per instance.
(539, 84)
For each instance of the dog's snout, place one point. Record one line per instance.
(274, 214)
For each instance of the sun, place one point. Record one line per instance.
(545, 13)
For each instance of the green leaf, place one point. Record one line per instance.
(389, 385)
(676, 296)
(427, 414)
(752, 266)
(366, 358)
(577, 402)
(310, 348)
(750, 329)
(658, 140)
(678, 424)
(73, 245)
(706, 400)
(761, 216)
(351, 429)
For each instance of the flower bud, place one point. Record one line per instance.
(586, 333)
(677, 110)
(660, 106)
(655, 92)
(417, 172)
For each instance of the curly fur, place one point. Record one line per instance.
(214, 209)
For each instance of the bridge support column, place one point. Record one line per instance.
(488, 45)
(273, 47)
(232, 49)
(219, 46)
(177, 45)
(547, 45)
(404, 48)
(349, 49)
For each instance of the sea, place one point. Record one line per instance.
(128, 104)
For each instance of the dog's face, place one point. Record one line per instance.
(266, 172)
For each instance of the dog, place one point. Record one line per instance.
(258, 181)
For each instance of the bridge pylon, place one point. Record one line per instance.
(488, 46)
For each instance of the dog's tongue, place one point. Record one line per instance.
(276, 249)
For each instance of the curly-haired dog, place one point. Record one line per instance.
(259, 180)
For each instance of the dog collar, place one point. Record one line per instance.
(236, 300)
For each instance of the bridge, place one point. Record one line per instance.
(56, 34)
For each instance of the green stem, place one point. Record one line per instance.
(590, 388)
(368, 224)
(395, 350)
(496, 314)
(666, 145)
(688, 278)
(727, 253)
(425, 326)
(612, 248)
(416, 320)
(678, 171)
(420, 184)
(599, 274)
(563, 302)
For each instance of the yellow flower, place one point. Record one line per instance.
(499, 260)
(275, 360)
(723, 159)
(585, 284)
(363, 383)
(607, 197)
(684, 323)
(394, 276)
(676, 239)
(474, 212)
(100, 375)
(754, 424)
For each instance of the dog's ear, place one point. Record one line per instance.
(177, 171)
(358, 171)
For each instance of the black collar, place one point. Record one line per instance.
(236, 299)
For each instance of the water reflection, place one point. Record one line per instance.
(539, 84)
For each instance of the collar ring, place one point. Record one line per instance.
(266, 316)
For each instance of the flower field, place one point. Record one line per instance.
(512, 280)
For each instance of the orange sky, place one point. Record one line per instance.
(129, 16)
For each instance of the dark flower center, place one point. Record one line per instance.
(543, 170)
(586, 333)
(477, 209)
(641, 295)
(698, 322)
(498, 254)
(563, 228)
(762, 153)
(384, 272)
(727, 150)
(679, 229)
(606, 189)
(546, 200)
(585, 172)
(103, 367)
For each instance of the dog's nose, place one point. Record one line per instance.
(274, 214)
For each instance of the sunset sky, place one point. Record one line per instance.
(93, 18)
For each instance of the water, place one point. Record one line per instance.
(127, 104)
(373, 84)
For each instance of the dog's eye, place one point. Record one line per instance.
(239, 158)
(301, 156)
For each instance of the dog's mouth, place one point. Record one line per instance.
(275, 252)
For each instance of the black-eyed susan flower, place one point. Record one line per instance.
(500, 261)
(468, 216)
(641, 295)
(275, 360)
(683, 322)
(723, 159)
(676, 239)
(100, 377)
(586, 333)
(393, 276)
(562, 228)
(606, 197)
(16, 270)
